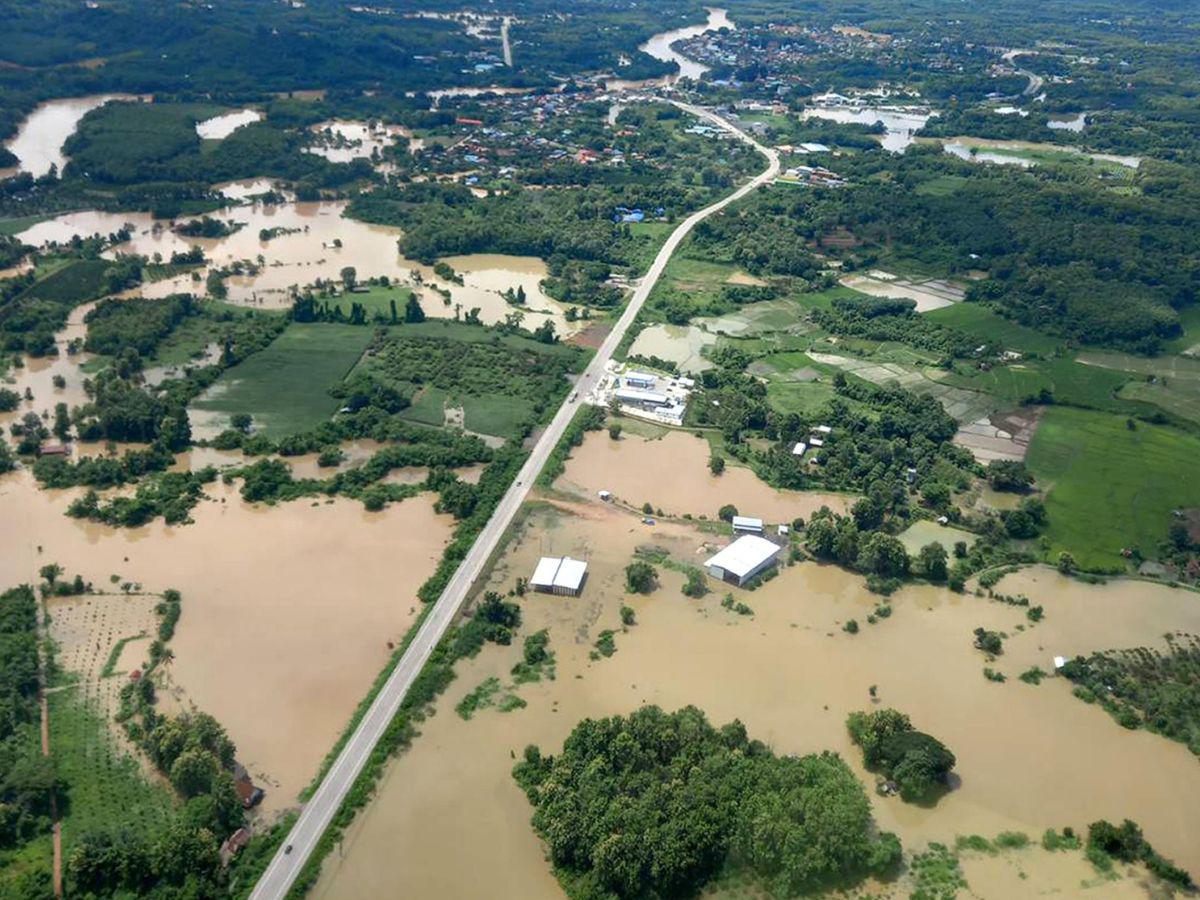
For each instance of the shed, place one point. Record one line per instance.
(799, 448)
(746, 557)
(559, 575)
(747, 524)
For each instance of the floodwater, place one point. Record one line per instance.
(288, 611)
(220, 127)
(1029, 757)
(38, 374)
(680, 344)
(319, 241)
(245, 188)
(38, 144)
(659, 46)
(347, 140)
(1008, 152)
(902, 124)
(1074, 123)
(671, 473)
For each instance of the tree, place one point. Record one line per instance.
(694, 586)
(640, 577)
(936, 495)
(821, 537)
(241, 422)
(413, 313)
(1066, 563)
(932, 559)
(989, 641)
(716, 464)
(916, 761)
(193, 772)
(614, 431)
(727, 512)
(883, 554)
(349, 277)
(1008, 475)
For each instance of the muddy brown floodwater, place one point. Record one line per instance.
(672, 473)
(287, 611)
(1029, 757)
(316, 241)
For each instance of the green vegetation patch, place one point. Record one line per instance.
(1111, 487)
(986, 326)
(1146, 688)
(657, 804)
(285, 388)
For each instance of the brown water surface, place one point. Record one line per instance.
(288, 611)
(1029, 757)
(672, 473)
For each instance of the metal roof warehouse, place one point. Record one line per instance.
(559, 575)
(743, 559)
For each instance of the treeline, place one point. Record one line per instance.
(29, 783)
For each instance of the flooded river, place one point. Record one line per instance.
(316, 241)
(660, 47)
(222, 126)
(38, 144)
(1029, 757)
(671, 473)
(287, 612)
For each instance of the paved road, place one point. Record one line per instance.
(315, 816)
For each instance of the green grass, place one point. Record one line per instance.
(376, 300)
(15, 226)
(107, 787)
(942, 185)
(496, 414)
(1110, 487)
(980, 322)
(799, 397)
(1071, 382)
(286, 386)
(428, 407)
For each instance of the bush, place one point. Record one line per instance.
(640, 577)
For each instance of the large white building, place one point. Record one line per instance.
(559, 575)
(748, 556)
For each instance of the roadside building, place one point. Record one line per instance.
(748, 556)
(559, 575)
(642, 380)
(747, 525)
(642, 399)
(247, 791)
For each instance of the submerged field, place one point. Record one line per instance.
(791, 675)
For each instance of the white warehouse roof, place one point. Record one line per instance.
(642, 396)
(561, 572)
(744, 555)
(747, 522)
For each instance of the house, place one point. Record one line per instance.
(823, 429)
(1059, 662)
(799, 448)
(748, 556)
(642, 380)
(247, 791)
(559, 575)
(233, 845)
(606, 496)
(463, 120)
(747, 525)
(816, 442)
(54, 450)
(814, 148)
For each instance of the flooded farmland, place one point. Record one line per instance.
(680, 344)
(309, 241)
(671, 474)
(38, 144)
(1029, 757)
(288, 611)
(220, 127)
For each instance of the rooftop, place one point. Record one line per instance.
(744, 555)
(563, 572)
